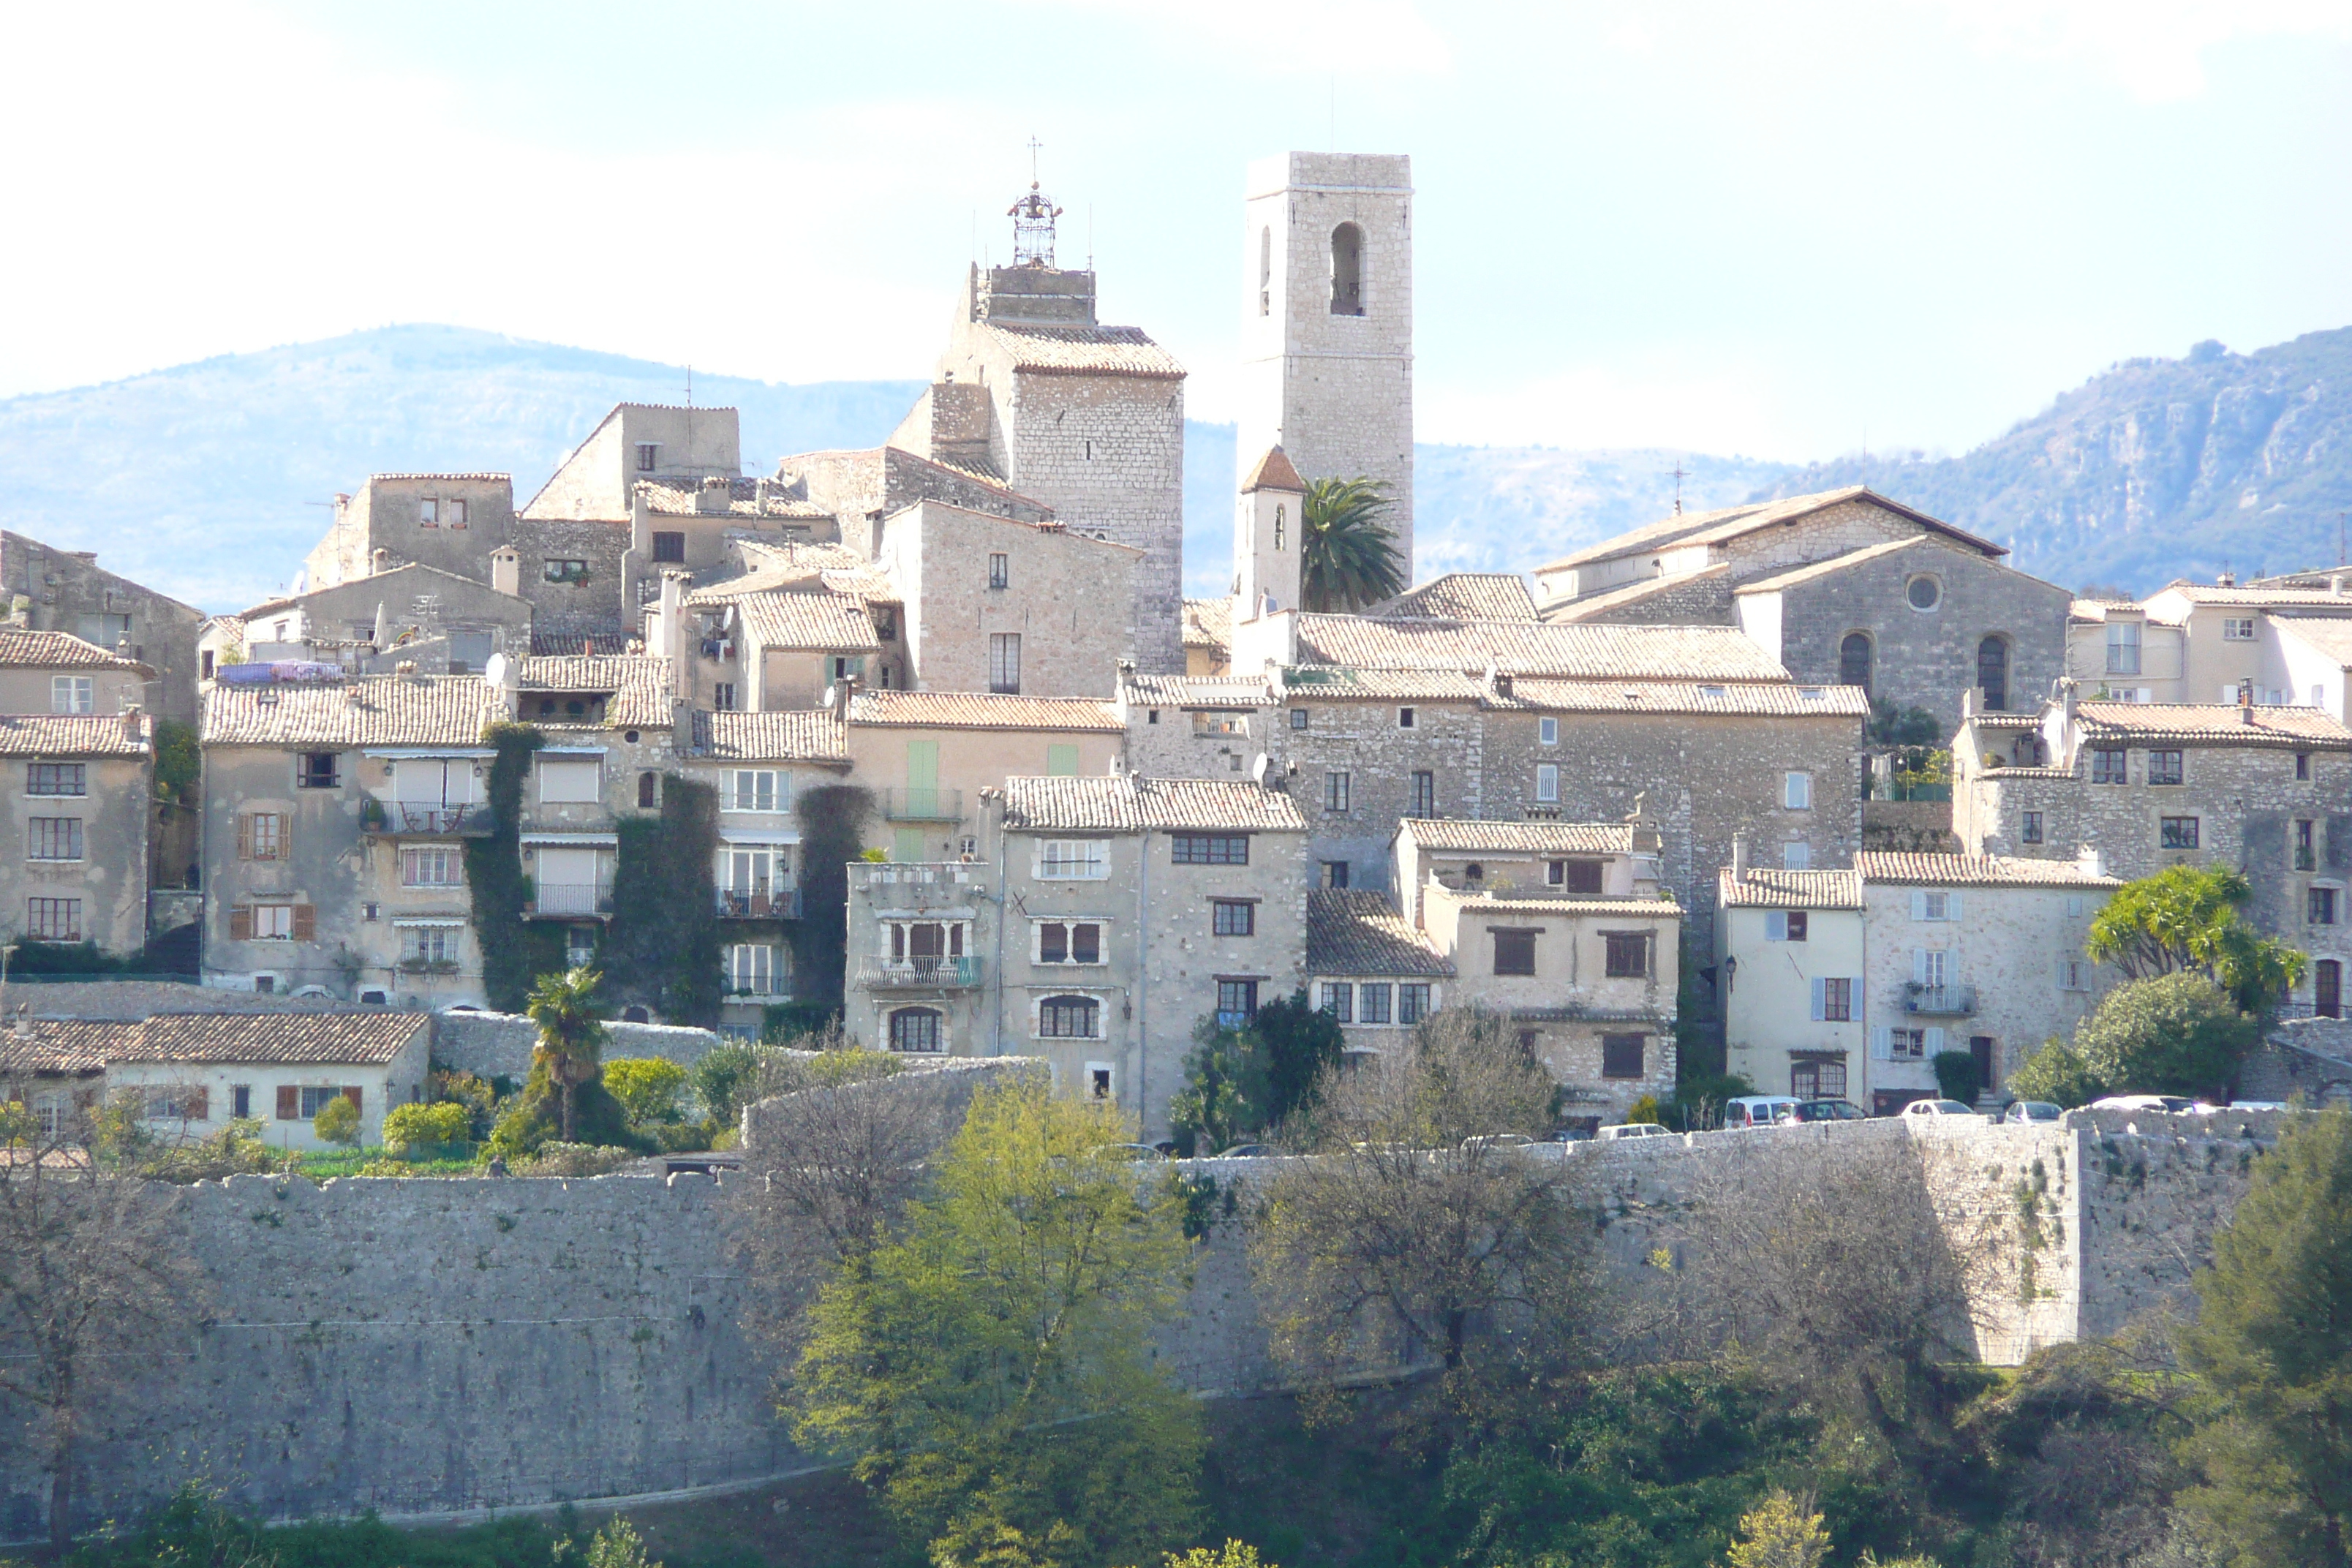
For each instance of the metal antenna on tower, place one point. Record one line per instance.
(1680, 474)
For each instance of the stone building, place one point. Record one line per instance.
(1208, 635)
(1844, 586)
(197, 1071)
(1326, 320)
(81, 788)
(857, 489)
(449, 520)
(1099, 921)
(2284, 643)
(930, 756)
(1195, 727)
(336, 815)
(439, 622)
(66, 591)
(1370, 969)
(1848, 985)
(794, 625)
(1032, 392)
(2148, 785)
(691, 525)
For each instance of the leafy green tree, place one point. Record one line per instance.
(2058, 1074)
(1781, 1531)
(989, 1365)
(647, 1087)
(618, 1545)
(1893, 726)
(2272, 1346)
(572, 1036)
(1347, 555)
(1240, 1082)
(2177, 1034)
(1233, 1554)
(338, 1122)
(1956, 1076)
(2186, 919)
(415, 1128)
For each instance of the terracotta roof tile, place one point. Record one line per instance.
(805, 736)
(1353, 931)
(1116, 351)
(1465, 595)
(1977, 870)
(819, 621)
(982, 711)
(2329, 637)
(1197, 690)
(1567, 612)
(2212, 593)
(1275, 472)
(64, 1045)
(381, 710)
(638, 684)
(343, 1038)
(1336, 684)
(1537, 647)
(1768, 887)
(2211, 723)
(73, 735)
(1451, 834)
(57, 650)
(1208, 622)
(1120, 802)
(1745, 699)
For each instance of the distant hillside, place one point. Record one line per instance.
(209, 479)
(2154, 469)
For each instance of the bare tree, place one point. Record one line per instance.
(96, 1285)
(1414, 1229)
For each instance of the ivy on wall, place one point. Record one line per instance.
(833, 832)
(515, 951)
(662, 951)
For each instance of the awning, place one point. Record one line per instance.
(572, 750)
(759, 836)
(575, 840)
(452, 922)
(437, 754)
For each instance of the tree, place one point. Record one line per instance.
(1956, 1076)
(1347, 555)
(1781, 1531)
(1238, 1082)
(647, 1087)
(2271, 1347)
(1416, 1228)
(2058, 1074)
(2186, 919)
(991, 1364)
(2177, 1034)
(338, 1122)
(572, 1034)
(96, 1282)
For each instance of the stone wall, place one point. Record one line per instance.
(565, 614)
(499, 1044)
(67, 591)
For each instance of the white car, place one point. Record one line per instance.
(2258, 1105)
(1632, 1130)
(2174, 1104)
(1939, 1107)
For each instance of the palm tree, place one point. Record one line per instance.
(1348, 556)
(571, 1032)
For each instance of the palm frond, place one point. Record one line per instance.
(1349, 557)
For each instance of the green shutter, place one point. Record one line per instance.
(922, 778)
(908, 845)
(1061, 762)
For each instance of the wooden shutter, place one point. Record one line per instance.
(1776, 925)
(200, 1105)
(305, 922)
(1935, 1043)
(352, 1094)
(1881, 1044)
(244, 836)
(1820, 999)
(289, 1103)
(1951, 906)
(240, 921)
(1918, 904)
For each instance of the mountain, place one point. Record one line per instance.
(2154, 469)
(210, 480)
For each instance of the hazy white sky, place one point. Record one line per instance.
(1717, 224)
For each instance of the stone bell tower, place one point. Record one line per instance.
(1326, 321)
(1265, 539)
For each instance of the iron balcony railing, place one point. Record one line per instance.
(925, 973)
(424, 817)
(923, 804)
(1944, 1001)
(781, 904)
(572, 899)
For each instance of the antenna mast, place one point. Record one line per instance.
(1680, 474)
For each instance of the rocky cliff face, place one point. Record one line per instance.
(2156, 469)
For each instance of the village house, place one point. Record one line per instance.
(928, 757)
(66, 591)
(2148, 785)
(2281, 643)
(195, 1072)
(1370, 969)
(436, 621)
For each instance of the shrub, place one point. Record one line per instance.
(236, 1150)
(531, 1117)
(721, 1078)
(647, 1087)
(417, 1129)
(2056, 1073)
(480, 1097)
(1644, 1110)
(2177, 1034)
(1699, 1098)
(337, 1122)
(1957, 1076)
(574, 1160)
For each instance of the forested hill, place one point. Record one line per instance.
(2154, 469)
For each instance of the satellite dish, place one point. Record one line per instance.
(1257, 769)
(494, 669)
(831, 689)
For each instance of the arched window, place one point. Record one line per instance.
(646, 786)
(1473, 872)
(1280, 511)
(1069, 1018)
(915, 1029)
(1853, 661)
(1347, 270)
(1992, 673)
(1266, 271)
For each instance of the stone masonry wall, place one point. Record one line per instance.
(497, 1045)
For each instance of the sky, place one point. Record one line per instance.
(1779, 230)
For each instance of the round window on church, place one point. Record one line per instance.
(1925, 593)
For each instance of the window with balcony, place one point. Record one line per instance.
(755, 969)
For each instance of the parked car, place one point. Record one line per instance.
(2176, 1104)
(1830, 1110)
(1248, 1152)
(1759, 1110)
(1634, 1129)
(1496, 1140)
(2033, 1111)
(2258, 1105)
(1137, 1151)
(1939, 1107)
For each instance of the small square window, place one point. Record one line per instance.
(1796, 856)
(2177, 833)
(429, 512)
(2109, 765)
(1000, 571)
(1404, 718)
(1621, 1055)
(1515, 951)
(1233, 917)
(2164, 767)
(669, 548)
(1298, 718)
(2029, 829)
(1335, 873)
(1548, 731)
(1371, 1003)
(1338, 999)
(318, 770)
(2319, 907)
(1628, 954)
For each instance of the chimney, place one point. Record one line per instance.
(713, 496)
(133, 726)
(2246, 702)
(21, 1023)
(760, 493)
(2335, 584)
(379, 561)
(1739, 857)
(2086, 859)
(506, 571)
(2226, 580)
(671, 608)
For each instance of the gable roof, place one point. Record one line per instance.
(1083, 351)
(1735, 698)
(63, 1044)
(411, 569)
(357, 1039)
(1727, 523)
(1208, 622)
(1273, 472)
(806, 621)
(1121, 803)
(637, 684)
(1465, 595)
(58, 650)
(1354, 930)
(74, 735)
(1977, 870)
(1144, 690)
(1769, 887)
(1461, 835)
(2211, 723)
(1537, 647)
(379, 710)
(804, 735)
(982, 711)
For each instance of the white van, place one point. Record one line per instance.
(1759, 1110)
(1632, 1130)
